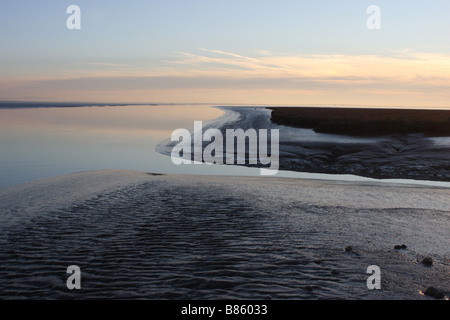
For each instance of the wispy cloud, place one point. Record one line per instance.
(399, 66)
(222, 59)
(401, 76)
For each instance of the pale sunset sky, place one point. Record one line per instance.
(227, 52)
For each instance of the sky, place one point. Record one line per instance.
(284, 52)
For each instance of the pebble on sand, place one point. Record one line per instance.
(435, 293)
(427, 261)
(398, 246)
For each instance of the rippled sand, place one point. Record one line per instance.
(137, 235)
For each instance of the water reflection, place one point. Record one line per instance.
(44, 142)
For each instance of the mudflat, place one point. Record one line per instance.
(364, 121)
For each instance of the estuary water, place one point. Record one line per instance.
(41, 141)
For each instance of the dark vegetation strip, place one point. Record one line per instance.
(372, 122)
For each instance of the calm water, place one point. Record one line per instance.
(45, 142)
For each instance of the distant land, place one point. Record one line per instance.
(364, 121)
(35, 104)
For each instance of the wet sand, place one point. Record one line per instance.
(403, 145)
(138, 235)
(414, 156)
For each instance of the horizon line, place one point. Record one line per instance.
(93, 103)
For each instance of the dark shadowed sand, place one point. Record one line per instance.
(139, 235)
(366, 121)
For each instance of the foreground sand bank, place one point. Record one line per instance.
(210, 237)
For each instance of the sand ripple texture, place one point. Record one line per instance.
(186, 237)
